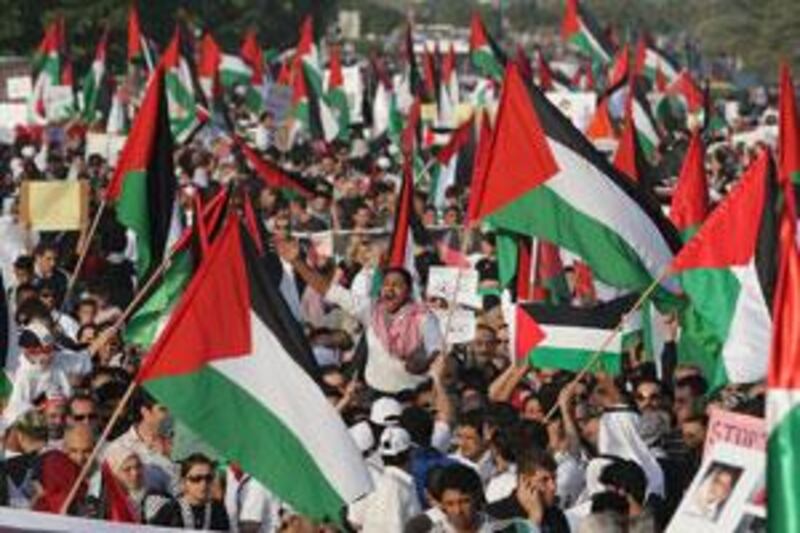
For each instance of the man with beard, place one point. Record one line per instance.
(403, 336)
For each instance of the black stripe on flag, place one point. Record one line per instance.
(600, 316)
(559, 128)
(161, 182)
(766, 257)
(270, 307)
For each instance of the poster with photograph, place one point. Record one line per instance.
(727, 494)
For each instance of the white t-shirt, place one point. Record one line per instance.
(247, 500)
(383, 371)
(391, 504)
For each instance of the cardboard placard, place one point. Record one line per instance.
(278, 101)
(727, 494)
(737, 429)
(106, 145)
(461, 327)
(54, 205)
(19, 87)
(451, 283)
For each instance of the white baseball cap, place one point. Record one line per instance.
(394, 441)
(385, 412)
(362, 436)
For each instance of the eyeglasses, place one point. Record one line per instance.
(207, 478)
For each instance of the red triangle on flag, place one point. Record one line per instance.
(690, 198)
(527, 333)
(784, 366)
(520, 158)
(220, 284)
(789, 134)
(728, 236)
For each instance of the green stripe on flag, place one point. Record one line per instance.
(783, 465)
(315, 497)
(154, 312)
(575, 360)
(133, 213)
(542, 212)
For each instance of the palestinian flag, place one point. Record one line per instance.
(543, 178)
(408, 231)
(142, 188)
(253, 57)
(549, 79)
(620, 68)
(431, 78)
(601, 130)
(92, 83)
(686, 88)
(336, 95)
(235, 367)
(571, 336)
(274, 176)
(48, 69)
(690, 197)
(728, 270)
(583, 79)
(138, 50)
(580, 28)
(448, 92)
(549, 281)
(633, 91)
(183, 113)
(486, 56)
(208, 68)
(310, 108)
(444, 171)
(783, 387)
(654, 63)
(480, 158)
(151, 317)
(630, 158)
(788, 131)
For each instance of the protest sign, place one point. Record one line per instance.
(54, 205)
(727, 494)
(459, 327)
(13, 115)
(59, 102)
(106, 145)
(278, 101)
(18, 87)
(735, 428)
(451, 283)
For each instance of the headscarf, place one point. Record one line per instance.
(619, 436)
(401, 333)
(116, 455)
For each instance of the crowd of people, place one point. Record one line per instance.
(458, 437)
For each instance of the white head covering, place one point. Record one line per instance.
(619, 436)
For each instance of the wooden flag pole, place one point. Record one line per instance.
(123, 402)
(611, 336)
(84, 250)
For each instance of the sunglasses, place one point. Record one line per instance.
(207, 478)
(84, 417)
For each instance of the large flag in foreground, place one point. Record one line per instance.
(143, 186)
(544, 178)
(233, 365)
(729, 268)
(783, 388)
